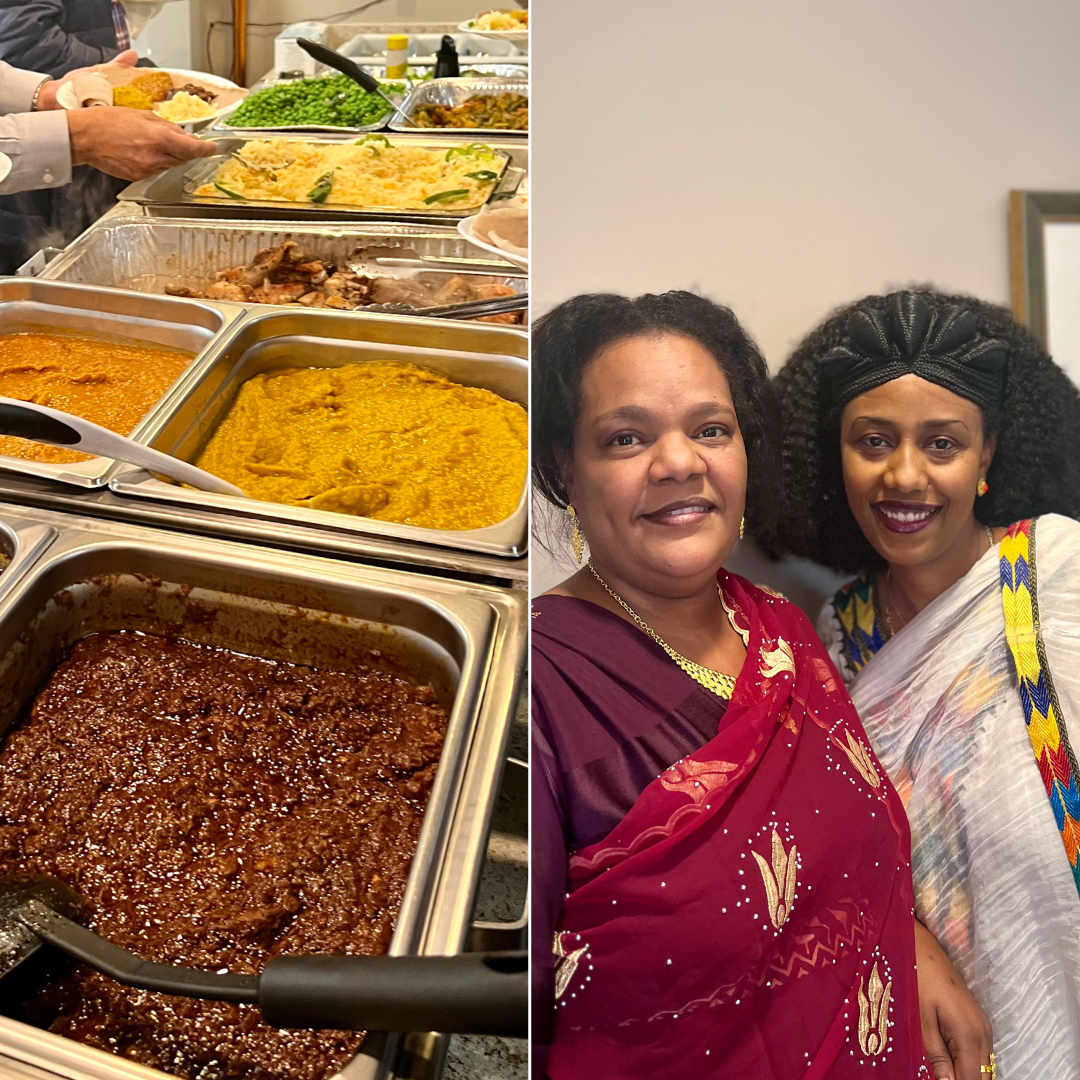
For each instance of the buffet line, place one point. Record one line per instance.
(330, 322)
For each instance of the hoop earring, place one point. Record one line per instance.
(576, 540)
(742, 528)
(982, 488)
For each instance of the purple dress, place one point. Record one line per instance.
(601, 733)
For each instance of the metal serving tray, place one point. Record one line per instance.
(222, 124)
(455, 92)
(169, 193)
(142, 253)
(30, 304)
(468, 639)
(475, 354)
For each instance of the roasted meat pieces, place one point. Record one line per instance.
(284, 275)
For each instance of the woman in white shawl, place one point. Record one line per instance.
(930, 448)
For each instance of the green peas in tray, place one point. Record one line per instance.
(335, 101)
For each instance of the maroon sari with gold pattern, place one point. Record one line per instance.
(751, 916)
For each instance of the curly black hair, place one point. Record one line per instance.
(569, 337)
(1036, 467)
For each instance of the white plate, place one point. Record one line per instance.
(5, 167)
(520, 38)
(465, 227)
(67, 100)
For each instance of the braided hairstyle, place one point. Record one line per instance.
(569, 337)
(1036, 468)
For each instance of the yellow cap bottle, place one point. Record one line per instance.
(397, 56)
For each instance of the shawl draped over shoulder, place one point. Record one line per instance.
(751, 915)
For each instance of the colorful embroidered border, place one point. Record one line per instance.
(1042, 712)
(857, 611)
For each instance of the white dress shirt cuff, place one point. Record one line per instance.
(39, 147)
(17, 88)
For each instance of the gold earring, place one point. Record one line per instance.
(742, 528)
(576, 541)
(982, 488)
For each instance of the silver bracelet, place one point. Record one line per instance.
(37, 93)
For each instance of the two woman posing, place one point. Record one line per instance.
(720, 859)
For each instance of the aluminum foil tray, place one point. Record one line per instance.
(222, 123)
(455, 92)
(144, 253)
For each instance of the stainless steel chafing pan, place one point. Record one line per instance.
(477, 355)
(467, 639)
(31, 304)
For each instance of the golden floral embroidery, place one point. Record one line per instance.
(860, 758)
(779, 880)
(782, 658)
(697, 778)
(771, 592)
(874, 1014)
(731, 613)
(565, 965)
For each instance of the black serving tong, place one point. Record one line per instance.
(332, 58)
(474, 993)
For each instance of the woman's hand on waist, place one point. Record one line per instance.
(956, 1033)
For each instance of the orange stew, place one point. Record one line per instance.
(113, 382)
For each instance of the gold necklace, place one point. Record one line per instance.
(720, 684)
(890, 603)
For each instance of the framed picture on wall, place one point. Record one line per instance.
(1044, 240)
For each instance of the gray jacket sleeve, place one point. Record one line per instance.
(32, 35)
(37, 143)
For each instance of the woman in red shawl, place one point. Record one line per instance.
(721, 869)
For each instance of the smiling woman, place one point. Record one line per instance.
(928, 440)
(720, 871)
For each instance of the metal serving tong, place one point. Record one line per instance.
(338, 62)
(475, 993)
(467, 309)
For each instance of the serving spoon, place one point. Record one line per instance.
(332, 58)
(40, 424)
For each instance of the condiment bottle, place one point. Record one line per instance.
(446, 59)
(397, 56)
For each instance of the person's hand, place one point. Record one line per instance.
(47, 96)
(956, 1033)
(130, 143)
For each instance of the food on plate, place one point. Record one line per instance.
(286, 275)
(131, 97)
(501, 20)
(336, 101)
(180, 104)
(183, 107)
(216, 809)
(504, 227)
(508, 111)
(194, 90)
(113, 382)
(372, 171)
(155, 83)
(378, 439)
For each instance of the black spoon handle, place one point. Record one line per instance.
(128, 969)
(332, 58)
(473, 993)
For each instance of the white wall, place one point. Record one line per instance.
(786, 157)
(212, 30)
